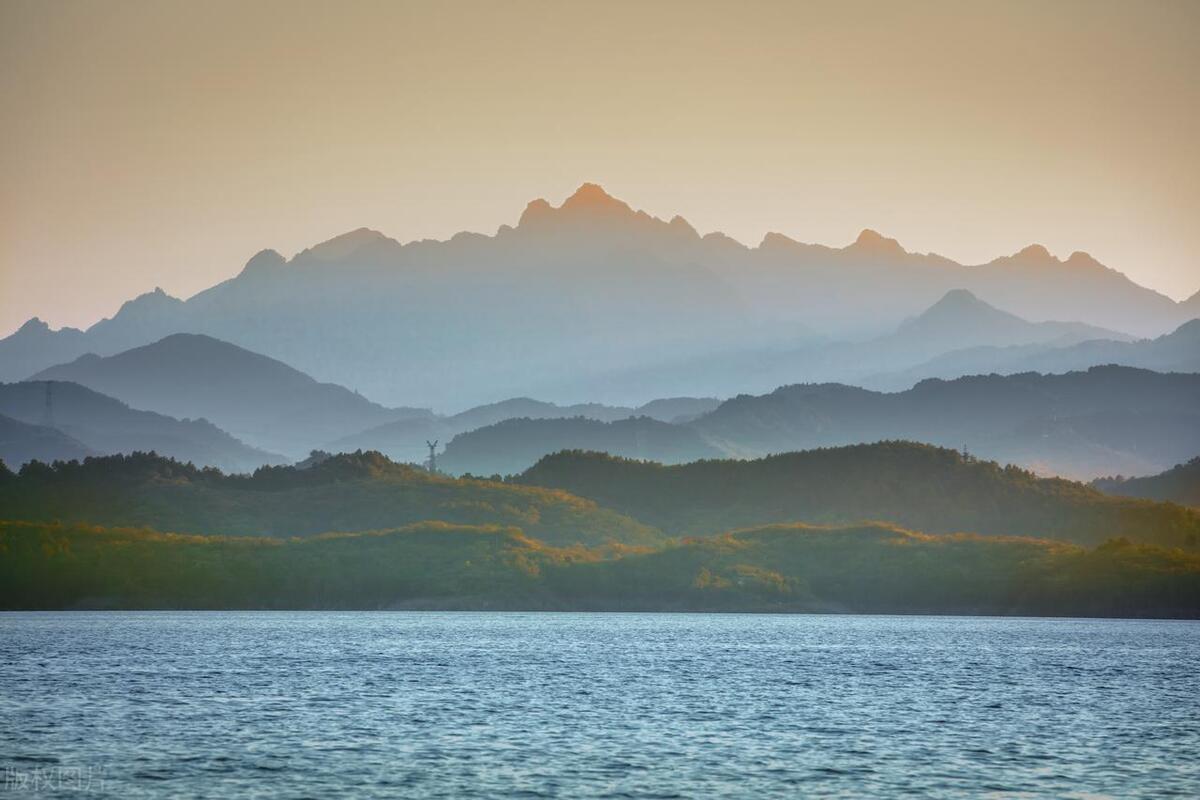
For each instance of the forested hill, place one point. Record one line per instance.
(352, 492)
(926, 488)
(1180, 484)
(863, 569)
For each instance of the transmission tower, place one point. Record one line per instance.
(432, 454)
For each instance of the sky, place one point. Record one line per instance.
(163, 143)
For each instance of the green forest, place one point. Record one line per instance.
(887, 528)
(918, 486)
(862, 569)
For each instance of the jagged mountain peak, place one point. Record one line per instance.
(773, 240)
(346, 244)
(157, 300)
(589, 202)
(1034, 252)
(34, 325)
(591, 207)
(535, 211)
(593, 196)
(264, 261)
(875, 243)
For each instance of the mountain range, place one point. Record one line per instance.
(260, 400)
(59, 418)
(1081, 424)
(1178, 351)
(510, 446)
(573, 293)
(405, 440)
(958, 324)
(277, 408)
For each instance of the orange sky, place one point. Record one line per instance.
(163, 143)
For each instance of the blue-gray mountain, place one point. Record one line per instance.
(405, 440)
(260, 400)
(573, 293)
(21, 442)
(958, 324)
(100, 424)
(1178, 351)
(1081, 424)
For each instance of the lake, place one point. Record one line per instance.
(313, 704)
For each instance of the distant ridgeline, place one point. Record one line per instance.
(1080, 424)
(595, 299)
(203, 400)
(593, 532)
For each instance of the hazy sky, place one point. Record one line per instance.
(164, 143)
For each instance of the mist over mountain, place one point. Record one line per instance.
(1178, 351)
(405, 439)
(961, 319)
(958, 320)
(260, 400)
(513, 445)
(104, 425)
(21, 442)
(578, 292)
(1081, 424)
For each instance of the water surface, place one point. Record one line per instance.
(607, 705)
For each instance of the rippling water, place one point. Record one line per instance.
(621, 705)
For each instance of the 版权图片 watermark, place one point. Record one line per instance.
(53, 779)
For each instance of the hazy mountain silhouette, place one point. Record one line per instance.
(513, 445)
(261, 401)
(1178, 351)
(21, 442)
(106, 425)
(934, 489)
(34, 346)
(1180, 484)
(491, 413)
(405, 440)
(958, 320)
(573, 293)
(962, 319)
(1080, 424)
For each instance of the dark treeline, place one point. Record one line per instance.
(864, 569)
(918, 486)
